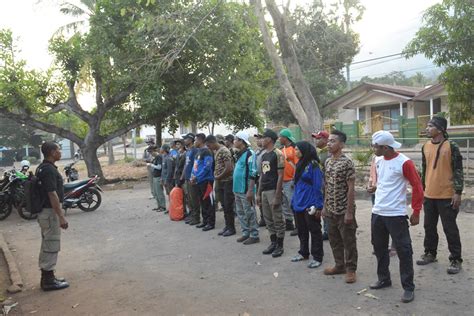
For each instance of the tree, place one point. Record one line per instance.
(288, 68)
(17, 135)
(400, 79)
(323, 47)
(447, 38)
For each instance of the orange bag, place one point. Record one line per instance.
(176, 204)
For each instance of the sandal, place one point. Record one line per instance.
(298, 257)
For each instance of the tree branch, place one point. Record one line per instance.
(47, 127)
(123, 130)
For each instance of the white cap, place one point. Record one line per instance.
(243, 136)
(25, 163)
(384, 138)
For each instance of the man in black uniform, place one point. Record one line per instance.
(51, 218)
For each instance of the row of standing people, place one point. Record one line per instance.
(299, 184)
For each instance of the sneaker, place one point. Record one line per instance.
(426, 258)
(334, 270)
(454, 267)
(242, 238)
(314, 264)
(351, 277)
(298, 257)
(251, 240)
(408, 296)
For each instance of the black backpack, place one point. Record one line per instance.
(34, 196)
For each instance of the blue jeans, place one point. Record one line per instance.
(247, 216)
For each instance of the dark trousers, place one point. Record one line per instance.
(397, 228)
(207, 209)
(194, 199)
(435, 209)
(225, 194)
(309, 224)
(343, 241)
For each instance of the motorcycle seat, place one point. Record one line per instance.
(75, 184)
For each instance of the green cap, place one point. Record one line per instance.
(287, 133)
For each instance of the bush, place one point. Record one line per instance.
(139, 140)
(128, 159)
(31, 159)
(363, 157)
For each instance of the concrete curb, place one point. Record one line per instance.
(15, 277)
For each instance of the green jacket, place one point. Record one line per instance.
(456, 165)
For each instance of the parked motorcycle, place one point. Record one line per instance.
(71, 173)
(12, 195)
(83, 194)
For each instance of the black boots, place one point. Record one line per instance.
(50, 283)
(272, 246)
(289, 225)
(278, 251)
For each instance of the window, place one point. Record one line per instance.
(387, 117)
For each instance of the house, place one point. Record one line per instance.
(402, 110)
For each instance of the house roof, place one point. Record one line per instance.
(429, 92)
(399, 92)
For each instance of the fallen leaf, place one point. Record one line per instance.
(110, 239)
(242, 301)
(75, 305)
(275, 274)
(258, 263)
(33, 312)
(358, 308)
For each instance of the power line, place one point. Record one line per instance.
(402, 71)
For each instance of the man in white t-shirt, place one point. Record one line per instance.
(389, 213)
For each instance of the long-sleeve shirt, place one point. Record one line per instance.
(447, 178)
(245, 170)
(167, 173)
(308, 190)
(203, 169)
(392, 178)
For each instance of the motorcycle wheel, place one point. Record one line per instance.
(90, 200)
(25, 214)
(5, 209)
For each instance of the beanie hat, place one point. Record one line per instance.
(440, 123)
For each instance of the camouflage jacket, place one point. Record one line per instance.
(456, 165)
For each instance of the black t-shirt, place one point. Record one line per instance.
(272, 161)
(158, 161)
(51, 181)
(180, 165)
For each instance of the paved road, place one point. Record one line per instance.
(125, 259)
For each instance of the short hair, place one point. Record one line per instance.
(340, 135)
(48, 147)
(201, 136)
(229, 137)
(211, 139)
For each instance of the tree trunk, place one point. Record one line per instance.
(301, 101)
(194, 128)
(124, 141)
(111, 153)
(158, 127)
(89, 151)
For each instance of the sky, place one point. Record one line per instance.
(386, 27)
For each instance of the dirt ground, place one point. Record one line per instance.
(125, 259)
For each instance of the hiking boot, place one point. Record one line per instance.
(334, 270)
(289, 225)
(454, 267)
(251, 240)
(278, 251)
(229, 232)
(408, 296)
(294, 232)
(426, 258)
(242, 238)
(50, 283)
(351, 277)
(272, 246)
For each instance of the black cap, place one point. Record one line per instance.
(440, 123)
(178, 141)
(210, 139)
(271, 134)
(201, 136)
(189, 135)
(229, 137)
